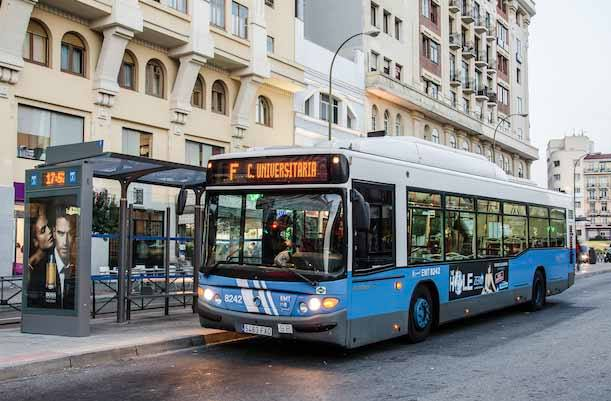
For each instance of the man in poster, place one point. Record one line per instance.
(52, 269)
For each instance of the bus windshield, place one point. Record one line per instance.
(275, 230)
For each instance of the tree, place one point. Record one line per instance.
(105, 213)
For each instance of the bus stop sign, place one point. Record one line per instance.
(58, 208)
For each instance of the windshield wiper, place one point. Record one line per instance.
(291, 268)
(209, 270)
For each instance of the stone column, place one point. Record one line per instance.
(417, 123)
(118, 29)
(448, 131)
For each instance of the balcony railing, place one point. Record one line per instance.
(481, 58)
(492, 98)
(455, 78)
(480, 24)
(481, 93)
(454, 6)
(468, 87)
(455, 41)
(468, 51)
(467, 15)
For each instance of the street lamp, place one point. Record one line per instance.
(502, 119)
(372, 34)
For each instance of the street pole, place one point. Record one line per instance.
(502, 119)
(373, 34)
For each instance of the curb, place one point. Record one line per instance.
(116, 355)
(590, 274)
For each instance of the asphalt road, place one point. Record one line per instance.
(560, 353)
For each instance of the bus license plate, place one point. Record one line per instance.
(258, 330)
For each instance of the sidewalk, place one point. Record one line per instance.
(33, 354)
(588, 270)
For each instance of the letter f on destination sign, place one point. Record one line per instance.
(233, 168)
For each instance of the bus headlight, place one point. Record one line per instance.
(208, 294)
(314, 304)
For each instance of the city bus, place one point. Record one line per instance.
(358, 241)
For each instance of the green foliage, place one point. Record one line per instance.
(105, 213)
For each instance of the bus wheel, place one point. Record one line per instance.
(538, 292)
(421, 315)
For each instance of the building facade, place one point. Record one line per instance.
(176, 80)
(565, 172)
(312, 105)
(597, 199)
(447, 71)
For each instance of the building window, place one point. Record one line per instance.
(269, 3)
(556, 163)
(518, 50)
(374, 118)
(518, 75)
(503, 95)
(435, 135)
(270, 45)
(350, 118)
(373, 61)
(264, 111)
(431, 88)
(387, 64)
(453, 99)
(452, 142)
(431, 49)
(478, 149)
(199, 154)
(386, 121)
(520, 134)
(39, 128)
(374, 14)
(36, 44)
(386, 22)
(603, 207)
(219, 97)
(180, 5)
(217, 13)
(398, 126)
(306, 106)
(127, 72)
(324, 108)
(520, 105)
(502, 35)
(426, 8)
(465, 145)
(155, 80)
(239, 14)
(137, 143)
(73, 55)
(466, 105)
(398, 72)
(398, 28)
(198, 95)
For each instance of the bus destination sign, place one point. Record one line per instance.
(311, 169)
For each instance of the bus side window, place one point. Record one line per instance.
(375, 249)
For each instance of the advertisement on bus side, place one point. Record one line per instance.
(478, 278)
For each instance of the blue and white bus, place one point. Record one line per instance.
(360, 241)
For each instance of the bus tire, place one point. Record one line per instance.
(538, 299)
(421, 315)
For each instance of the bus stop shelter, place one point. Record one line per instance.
(127, 170)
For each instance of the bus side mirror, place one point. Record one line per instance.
(361, 213)
(181, 202)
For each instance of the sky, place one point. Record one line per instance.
(570, 74)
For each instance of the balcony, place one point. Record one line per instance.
(481, 59)
(467, 15)
(468, 51)
(455, 79)
(455, 41)
(454, 6)
(468, 87)
(481, 94)
(480, 24)
(491, 35)
(491, 67)
(492, 98)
